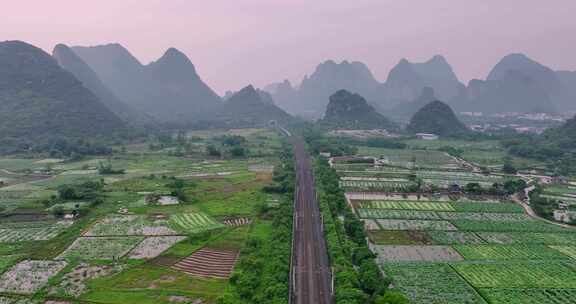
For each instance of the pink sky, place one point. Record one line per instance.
(236, 42)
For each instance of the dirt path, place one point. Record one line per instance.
(528, 209)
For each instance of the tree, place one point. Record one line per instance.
(513, 186)
(211, 150)
(473, 188)
(58, 211)
(238, 151)
(508, 167)
(391, 297)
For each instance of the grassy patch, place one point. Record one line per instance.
(399, 237)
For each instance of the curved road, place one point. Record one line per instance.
(311, 281)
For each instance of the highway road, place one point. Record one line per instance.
(311, 281)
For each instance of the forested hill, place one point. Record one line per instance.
(39, 100)
(248, 108)
(437, 118)
(352, 111)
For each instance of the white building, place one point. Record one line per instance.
(426, 136)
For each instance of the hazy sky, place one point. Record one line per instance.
(236, 42)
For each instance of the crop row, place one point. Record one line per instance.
(548, 274)
(529, 295)
(509, 252)
(528, 238)
(423, 205)
(194, 222)
(432, 215)
(375, 185)
(415, 225)
(407, 205)
(516, 226)
(14, 235)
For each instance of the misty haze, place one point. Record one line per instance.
(297, 152)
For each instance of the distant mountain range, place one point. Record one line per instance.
(40, 100)
(169, 89)
(123, 91)
(516, 84)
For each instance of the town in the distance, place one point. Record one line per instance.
(123, 182)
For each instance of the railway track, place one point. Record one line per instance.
(311, 281)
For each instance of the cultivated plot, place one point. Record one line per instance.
(455, 237)
(508, 252)
(425, 283)
(567, 250)
(194, 222)
(415, 225)
(152, 247)
(529, 296)
(407, 205)
(416, 253)
(126, 225)
(100, 248)
(42, 232)
(518, 274)
(528, 238)
(28, 277)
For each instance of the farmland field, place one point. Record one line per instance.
(518, 275)
(122, 225)
(425, 283)
(152, 247)
(40, 233)
(511, 226)
(408, 205)
(455, 237)
(29, 276)
(529, 296)
(194, 222)
(508, 252)
(118, 243)
(100, 248)
(438, 247)
(416, 253)
(567, 250)
(415, 225)
(7, 261)
(527, 238)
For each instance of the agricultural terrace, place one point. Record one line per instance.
(444, 247)
(109, 229)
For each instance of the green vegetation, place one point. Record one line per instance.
(194, 222)
(528, 296)
(431, 283)
(263, 270)
(351, 111)
(518, 275)
(437, 118)
(347, 245)
(507, 252)
(119, 219)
